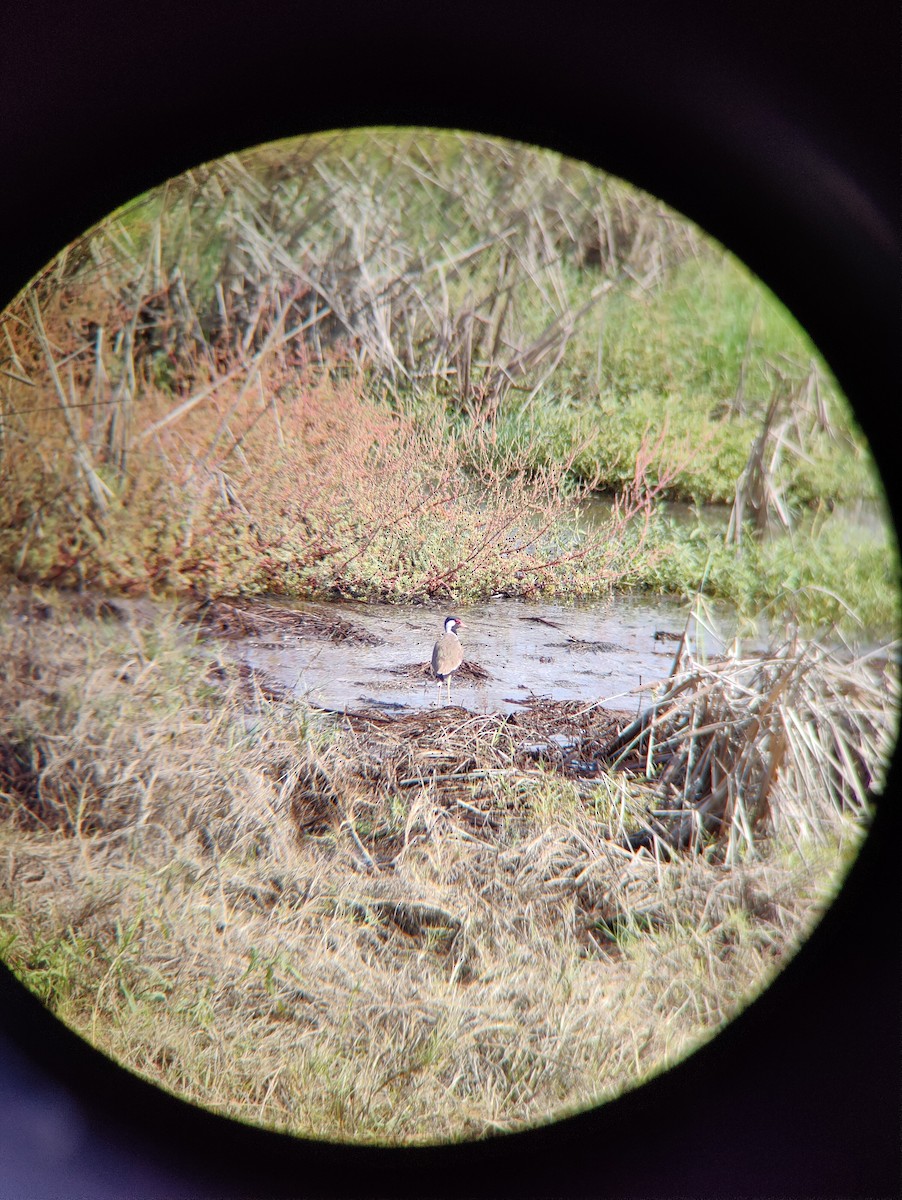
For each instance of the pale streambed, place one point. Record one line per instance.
(608, 651)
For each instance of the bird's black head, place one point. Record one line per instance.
(451, 624)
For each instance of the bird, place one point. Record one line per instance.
(447, 654)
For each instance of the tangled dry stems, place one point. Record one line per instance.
(272, 479)
(378, 930)
(740, 746)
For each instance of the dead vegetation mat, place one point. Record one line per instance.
(235, 618)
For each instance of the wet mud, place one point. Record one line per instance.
(343, 656)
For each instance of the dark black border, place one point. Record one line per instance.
(775, 127)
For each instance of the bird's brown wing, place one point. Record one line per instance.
(447, 655)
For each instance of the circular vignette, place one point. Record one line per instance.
(764, 194)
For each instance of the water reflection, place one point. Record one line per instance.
(859, 516)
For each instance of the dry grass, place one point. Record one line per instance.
(394, 252)
(378, 929)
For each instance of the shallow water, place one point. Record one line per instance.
(859, 517)
(604, 650)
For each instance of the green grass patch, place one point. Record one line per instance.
(830, 575)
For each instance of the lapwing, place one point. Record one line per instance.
(447, 654)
